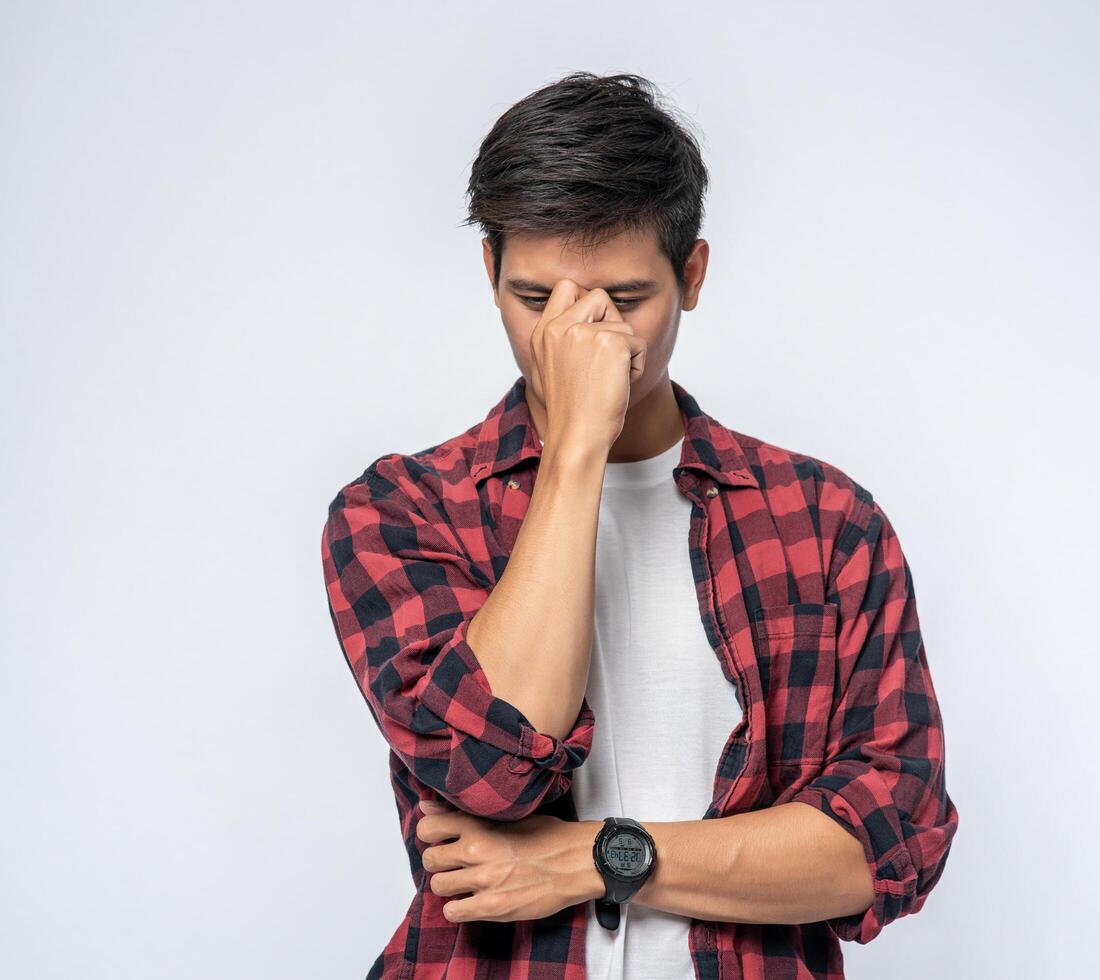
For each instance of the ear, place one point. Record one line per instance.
(695, 271)
(487, 258)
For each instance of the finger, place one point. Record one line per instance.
(634, 344)
(464, 910)
(436, 827)
(614, 326)
(457, 882)
(595, 306)
(638, 347)
(563, 294)
(442, 857)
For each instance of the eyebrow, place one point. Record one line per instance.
(625, 286)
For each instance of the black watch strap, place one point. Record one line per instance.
(618, 891)
(607, 913)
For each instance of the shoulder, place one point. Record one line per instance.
(842, 508)
(823, 482)
(424, 480)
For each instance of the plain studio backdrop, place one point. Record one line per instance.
(233, 275)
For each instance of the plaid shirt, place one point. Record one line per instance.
(807, 601)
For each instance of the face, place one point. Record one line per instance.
(630, 267)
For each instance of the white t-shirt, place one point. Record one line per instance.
(663, 707)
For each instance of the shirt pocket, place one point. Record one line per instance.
(796, 652)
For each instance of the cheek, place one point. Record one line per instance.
(519, 325)
(657, 327)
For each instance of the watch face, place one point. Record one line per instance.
(626, 853)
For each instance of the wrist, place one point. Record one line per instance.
(573, 456)
(584, 881)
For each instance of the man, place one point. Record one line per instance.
(599, 602)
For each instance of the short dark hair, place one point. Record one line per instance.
(587, 156)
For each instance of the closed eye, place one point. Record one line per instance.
(537, 302)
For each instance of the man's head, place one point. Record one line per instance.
(591, 179)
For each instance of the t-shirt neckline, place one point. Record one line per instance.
(643, 472)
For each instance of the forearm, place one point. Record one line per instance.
(533, 635)
(785, 864)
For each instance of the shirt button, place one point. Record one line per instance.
(712, 491)
(513, 484)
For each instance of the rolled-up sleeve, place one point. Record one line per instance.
(884, 774)
(401, 595)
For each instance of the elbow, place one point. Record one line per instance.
(903, 882)
(487, 759)
(503, 779)
(904, 852)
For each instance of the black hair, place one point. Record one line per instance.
(588, 156)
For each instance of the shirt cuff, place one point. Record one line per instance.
(863, 806)
(456, 689)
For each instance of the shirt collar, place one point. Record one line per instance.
(507, 436)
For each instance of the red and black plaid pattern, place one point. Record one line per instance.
(808, 604)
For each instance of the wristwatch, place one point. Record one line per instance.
(625, 856)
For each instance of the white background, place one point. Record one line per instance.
(233, 275)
